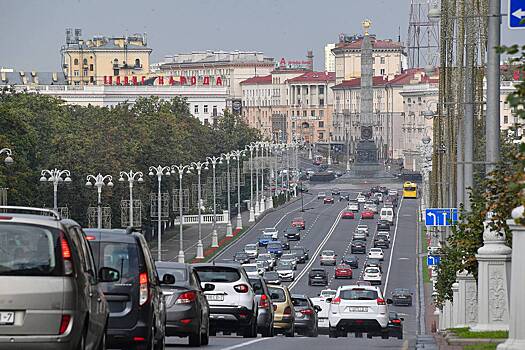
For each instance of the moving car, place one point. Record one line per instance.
(136, 302)
(263, 265)
(384, 233)
(402, 297)
(271, 277)
(381, 241)
(305, 315)
(252, 270)
(284, 316)
(293, 234)
(336, 191)
(50, 288)
(328, 257)
(285, 270)
(321, 195)
(273, 231)
(328, 200)
(358, 247)
(357, 309)
(344, 196)
(383, 225)
(275, 247)
(353, 206)
(361, 198)
(301, 254)
(241, 258)
(269, 258)
(350, 260)
(359, 235)
(379, 196)
(299, 223)
(264, 239)
(348, 215)
(232, 302)
(376, 253)
(393, 329)
(371, 262)
(317, 276)
(291, 258)
(367, 214)
(387, 214)
(265, 311)
(343, 271)
(363, 227)
(372, 275)
(252, 250)
(371, 206)
(188, 312)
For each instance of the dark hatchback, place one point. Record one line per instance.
(265, 310)
(317, 277)
(381, 242)
(241, 258)
(345, 196)
(300, 253)
(358, 247)
(188, 312)
(137, 309)
(271, 277)
(350, 260)
(383, 225)
(402, 296)
(394, 328)
(306, 318)
(293, 234)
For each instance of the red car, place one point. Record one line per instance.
(348, 215)
(367, 214)
(328, 200)
(299, 223)
(343, 271)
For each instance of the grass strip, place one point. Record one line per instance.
(467, 333)
(424, 245)
(485, 346)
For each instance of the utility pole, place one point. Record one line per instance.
(468, 121)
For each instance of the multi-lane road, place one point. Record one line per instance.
(326, 230)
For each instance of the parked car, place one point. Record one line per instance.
(348, 215)
(301, 254)
(265, 313)
(233, 307)
(50, 288)
(394, 328)
(317, 276)
(188, 312)
(305, 315)
(402, 297)
(284, 316)
(350, 260)
(343, 271)
(328, 257)
(136, 302)
(272, 277)
(328, 200)
(299, 223)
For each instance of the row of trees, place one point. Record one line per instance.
(45, 133)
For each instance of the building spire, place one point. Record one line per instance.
(366, 25)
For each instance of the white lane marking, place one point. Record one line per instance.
(245, 344)
(307, 267)
(392, 248)
(404, 259)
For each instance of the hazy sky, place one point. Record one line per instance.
(32, 31)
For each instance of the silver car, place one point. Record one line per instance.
(50, 296)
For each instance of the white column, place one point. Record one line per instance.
(441, 318)
(516, 338)
(455, 304)
(493, 282)
(447, 313)
(468, 300)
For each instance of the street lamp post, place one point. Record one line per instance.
(56, 177)
(251, 147)
(180, 169)
(9, 155)
(227, 157)
(269, 199)
(199, 166)
(131, 177)
(214, 238)
(262, 206)
(159, 171)
(329, 149)
(237, 155)
(99, 181)
(257, 207)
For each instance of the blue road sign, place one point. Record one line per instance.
(433, 260)
(516, 14)
(441, 216)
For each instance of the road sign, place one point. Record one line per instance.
(516, 14)
(441, 216)
(433, 260)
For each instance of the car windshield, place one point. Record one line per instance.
(288, 256)
(250, 247)
(179, 273)
(372, 270)
(250, 268)
(274, 246)
(266, 236)
(284, 265)
(328, 253)
(277, 294)
(217, 274)
(317, 271)
(264, 256)
(401, 291)
(299, 302)
(328, 293)
(241, 255)
(297, 252)
(358, 294)
(271, 276)
(349, 258)
(375, 250)
(123, 257)
(28, 250)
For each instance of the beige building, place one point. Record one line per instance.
(329, 58)
(93, 61)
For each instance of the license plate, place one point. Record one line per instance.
(298, 314)
(357, 309)
(215, 297)
(7, 317)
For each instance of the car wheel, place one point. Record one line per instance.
(384, 336)
(291, 332)
(314, 333)
(205, 337)
(332, 333)
(102, 344)
(400, 336)
(268, 332)
(195, 339)
(369, 336)
(359, 335)
(160, 344)
(151, 340)
(82, 340)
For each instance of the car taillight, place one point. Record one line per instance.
(336, 300)
(396, 321)
(66, 255)
(241, 288)
(91, 238)
(64, 323)
(380, 301)
(287, 311)
(143, 288)
(186, 298)
(307, 312)
(264, 302)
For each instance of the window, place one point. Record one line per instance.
(321, 89)
(85, 71)
(321, 102)
(382, 60)
(137, 63)
(277, 294)
(84, 62)
(321, 113)
(214, 111)
(75, 62)
(321, 124)
(122, 257)
(321, 136)
(304, 113)
(506, 119)
(312, 113)
(218, 274)
(205, 108)
(76, 73)
(91, 67)
(382, 71)
(196, 109)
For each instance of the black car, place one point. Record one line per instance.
(300, 253)
(241, 258)
(265, 312)
(137, 308)
(344, 196)
(336, 192)
(271, 277)
(188, 311)
(402, 296)
(285, 245)
(381, 242)
(394, 328)
(350, 260)
(317, 277)
(306, 318)
(374, 263)
(383, 225)
(292, 234)
(358, 247)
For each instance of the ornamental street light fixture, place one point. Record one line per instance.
(262, 147)
(199, 166)
(55, 176)
(9, 156)
(180, 169)
(131, 177)
(256, 200)
(99, 181)
(237, 155)
(227, 157)
(214, 237)
(251, 147)
(159, 171)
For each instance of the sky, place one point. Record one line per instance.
(32, 31)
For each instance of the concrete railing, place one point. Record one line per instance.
(207, 219)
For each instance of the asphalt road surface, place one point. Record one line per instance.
(325, 230)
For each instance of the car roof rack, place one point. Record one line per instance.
(28, 210)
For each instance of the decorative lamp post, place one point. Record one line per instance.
(159, 171)
(256, 200)
(55, 176)
(9, 155)
(199, 166)
(262, 205)
(131, 177)
(251, 147)
(227, 157)
(214, 238)
(237, 155)
(180, 169)
(99, 181)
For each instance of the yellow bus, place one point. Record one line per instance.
(409, 190)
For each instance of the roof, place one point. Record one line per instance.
(314, 77)
(40, 78)
(264, 80)
(376, 44)
(404, 78)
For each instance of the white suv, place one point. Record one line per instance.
(232, 301)
(359, 309)
(373, 275)
(273, 231)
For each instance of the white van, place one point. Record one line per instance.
(387, 214)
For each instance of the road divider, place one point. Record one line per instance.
(392, 247)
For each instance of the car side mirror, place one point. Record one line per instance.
(107, 274)
(317, 308)
(328, 300)
(208, 287)
(168, 279)
(389, 301)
